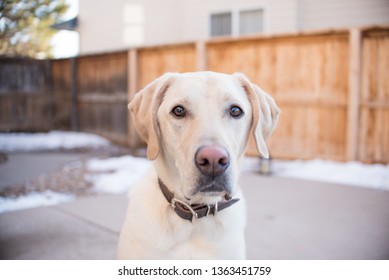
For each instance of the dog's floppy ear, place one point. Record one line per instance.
(265, 113)
(144, 108)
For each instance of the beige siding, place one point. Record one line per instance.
(96, 26)
(127, 23)
(342, 14)
(163, 21)
(281, 16)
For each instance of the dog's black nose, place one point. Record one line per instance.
(212, 160)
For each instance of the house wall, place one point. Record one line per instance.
(316, 14)
(122, 24)
(99, 26)
(129, 23)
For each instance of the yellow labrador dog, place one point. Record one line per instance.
(189, 204)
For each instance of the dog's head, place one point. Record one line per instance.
(197, 126)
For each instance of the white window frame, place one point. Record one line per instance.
(219, 13)
(235, 14)
(249, 10)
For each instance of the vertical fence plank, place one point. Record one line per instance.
(133, 137)
(61, 89)
(201, 54)
(374, 119)
(74, 106)
(355, 41)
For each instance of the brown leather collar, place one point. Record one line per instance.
(189, 212)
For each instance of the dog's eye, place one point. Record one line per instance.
(236, 112)
(179, 112)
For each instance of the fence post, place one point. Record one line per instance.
(354, 78)
(133, 138)
(201, 56)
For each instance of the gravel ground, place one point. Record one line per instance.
(70, 178)
(67, 179)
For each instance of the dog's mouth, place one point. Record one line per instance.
(208, 190)
(218, 186)
(212, 189)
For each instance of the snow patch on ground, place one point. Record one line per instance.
(51, 141)
(32, 200)
(115, 175)
(348, 173)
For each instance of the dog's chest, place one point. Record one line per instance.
(205, 239)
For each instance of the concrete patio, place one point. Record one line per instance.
(287, 219)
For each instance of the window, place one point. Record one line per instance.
(250, 22)
(236, 23)
(221, 24)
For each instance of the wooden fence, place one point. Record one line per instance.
(308, 77)
(24, 87)
(332, 88)
(102, 95)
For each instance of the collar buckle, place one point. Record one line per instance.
(175, 201)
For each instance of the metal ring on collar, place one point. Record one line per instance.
(175, 200)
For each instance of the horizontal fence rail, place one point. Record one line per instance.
(332, 88)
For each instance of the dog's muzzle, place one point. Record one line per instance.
(212, 161)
